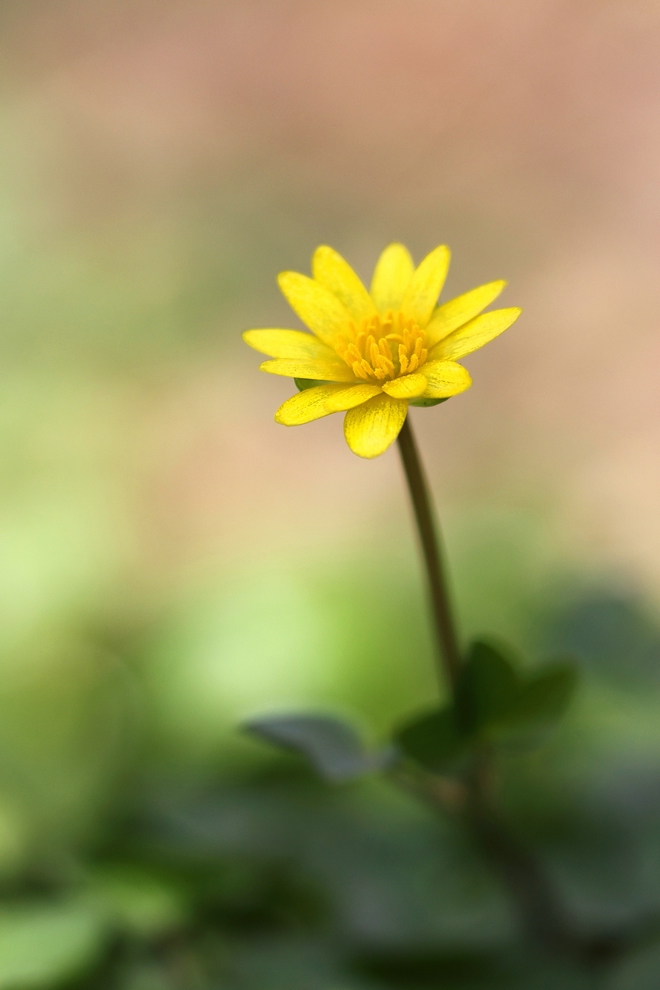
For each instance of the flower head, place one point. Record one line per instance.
(373, 353)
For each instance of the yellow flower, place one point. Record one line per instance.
(375, 352)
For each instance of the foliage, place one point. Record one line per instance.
(267, 878)
(494, 703)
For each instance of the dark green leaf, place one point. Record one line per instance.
(333, 748)
(544, 697)
(434, 740)
(488, 687)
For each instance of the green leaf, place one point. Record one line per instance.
(544, 697)
(428, 402)
(137, 901)
(43, 944)
(333, 748)
(493, 702)
(433, 740)
(488, 687)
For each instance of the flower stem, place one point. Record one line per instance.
(450, 656)
(542, 913)
(537, 903)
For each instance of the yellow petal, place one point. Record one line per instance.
(394, 270)
(336, 275)
(476, 333)
(407, 387)
(291, 344)
(355, 395)
(456, 312)
(317, 307)
(322, 400)
(426, 284)
(371, 427)
(320, 371)
(445, 378)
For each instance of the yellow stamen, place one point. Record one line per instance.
(383, 348)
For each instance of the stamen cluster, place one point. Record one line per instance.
(383, 348)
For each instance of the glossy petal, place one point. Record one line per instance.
(476, 333)
(407, 387)
(322, 400)
(426, 285)
(291, 344)
(445, 378)
(453, 314)
(392, 276)
(371, 427)
(317, 307)
(336, 275)
(320, 371)
(353, 396)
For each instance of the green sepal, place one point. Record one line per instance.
(428, 402)
(304, 383)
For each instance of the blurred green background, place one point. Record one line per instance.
(172, 561)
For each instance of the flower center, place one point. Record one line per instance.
(380, 348)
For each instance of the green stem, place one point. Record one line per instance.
(428, 534)
(541, 911)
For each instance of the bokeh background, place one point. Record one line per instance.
(171, 560)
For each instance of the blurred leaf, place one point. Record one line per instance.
(493, 701)
(44, 944)
(137, 901)
(144, 975)
(384, 870)
(544, 697)
(472, 970)
(488, 687)
(434, 740)
(289, 963)
(332, 747)
(614, 633)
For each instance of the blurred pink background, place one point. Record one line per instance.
(155, 139)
